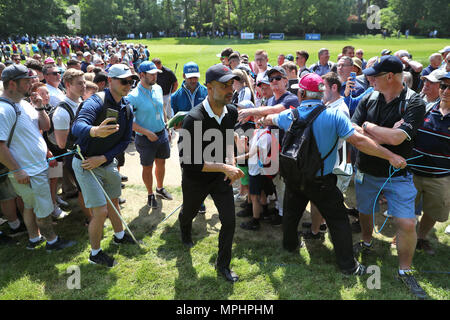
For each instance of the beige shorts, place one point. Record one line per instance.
(436, 196)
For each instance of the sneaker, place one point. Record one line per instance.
(386, 214)
(127, 239)
(311, 236)
(2, 221)
(123, 178)
(163, 194)
(362, 247)
(122, 201)
(359, 270)
(103, 259)
(243, 205)
(58, 213)
(202, 209)
(252, 224)
(277, 220)
(32, 245)
(239, 198)
(236, 190)
(408, 279)
(6, 240)
(447, 230)
(247, 212)
(19, 231)
(59, 245)
(424, 245)
(151, 201)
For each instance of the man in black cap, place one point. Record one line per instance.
(208, 168)
(391, 116)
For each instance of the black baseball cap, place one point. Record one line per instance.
(220, 73)
(276, 69)
(16, 72)
(385, 64)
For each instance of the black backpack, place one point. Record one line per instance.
(3, 169)
(300, 158)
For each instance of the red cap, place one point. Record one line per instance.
(312, 82)
(49, 61)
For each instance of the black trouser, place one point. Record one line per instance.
(330, 202)
(194, 194)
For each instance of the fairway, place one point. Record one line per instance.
(174, 51)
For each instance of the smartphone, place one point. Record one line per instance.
(353, 75)
(111, 113)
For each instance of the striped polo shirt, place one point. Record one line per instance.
(433, 143)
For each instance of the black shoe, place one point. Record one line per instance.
(202, 209)
(122, 201)
(359, 270)
(362, 247)
(353, 212)
(356, 227)
(127, 239)
(59, 245)
(123, 178)
(252, 224)
(151, 201)
(103, 259)
(187, 241)
(277, 220)
(244, 205)
(163, 194)
(19, 231)
(247, 212)
(411, 282)
(424, 245)
(322, 228)
(311, 236)
(32, 245)
(122, 186)
(7, 240)
(227, 273)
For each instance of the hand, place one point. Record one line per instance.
(232, 173)
(405, 60)
(53, 163)
(398, 124)
(349, 86)
(151, 136)
(93, 162)
(36, 100)
(397, 161)
(21, 177)
(104, 129)
(243, 114)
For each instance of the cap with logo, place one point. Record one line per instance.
(385, 64)
(49, 61)
(263, 80)
(120, 71)
(276, 69)
(191, 70)
(148, 67)
(434, 76)
(16, 72)
(220, 73)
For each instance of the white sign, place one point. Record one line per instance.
(247, 36)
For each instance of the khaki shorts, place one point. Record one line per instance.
(436, 196)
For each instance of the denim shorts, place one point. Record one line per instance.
(149, 151)
(36, 194)
(400, 194)
(108, 177)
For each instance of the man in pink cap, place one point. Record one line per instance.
(329, 125)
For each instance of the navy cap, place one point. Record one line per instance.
(220, 73)
(385, 64)
(276, 69)
(16, 72)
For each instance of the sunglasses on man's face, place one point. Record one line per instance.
(126, 82)
(275, 78)
(443, 86)
(55, 73)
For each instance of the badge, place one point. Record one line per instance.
(359, 176)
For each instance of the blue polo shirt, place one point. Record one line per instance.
(433, 143)
(288, 100)
(328, 126)
(148, 107)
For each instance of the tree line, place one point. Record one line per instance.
(177, 17)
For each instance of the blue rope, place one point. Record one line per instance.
(47, 161)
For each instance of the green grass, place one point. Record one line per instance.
(163, 269)
(203, 51)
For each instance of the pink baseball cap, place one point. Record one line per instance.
(49, 61)
(310, 82)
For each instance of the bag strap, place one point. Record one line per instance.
(8, 143)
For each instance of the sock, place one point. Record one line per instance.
(53, 241)
(119, 235)
(15, 224)
(94, 252)
(34, 240)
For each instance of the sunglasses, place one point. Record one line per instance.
(55, 73)
(275, 78)
(126, 82)
(443, 86)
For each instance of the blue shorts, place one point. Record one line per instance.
(400, 194)
(109, 178)
(149, 151)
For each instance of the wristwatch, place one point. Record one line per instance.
(40, 109)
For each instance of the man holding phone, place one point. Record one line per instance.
(152, 137)
(100, 142)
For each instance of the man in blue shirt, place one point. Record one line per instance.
(152, 137)
(101, 139)
(330, 125)
(323, 66)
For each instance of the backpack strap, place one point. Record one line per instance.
(8, 143)
(405, 102)
(68, 108)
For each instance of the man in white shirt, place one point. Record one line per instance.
(26, 156)
(52, 77)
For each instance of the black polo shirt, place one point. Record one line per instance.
(166, 79)
(386, 115)
(196, 123)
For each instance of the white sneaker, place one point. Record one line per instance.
(58, 213)
(447, 230)
(236, 190)
(240, 198)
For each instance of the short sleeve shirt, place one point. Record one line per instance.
(61, 118)
(166, 79)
